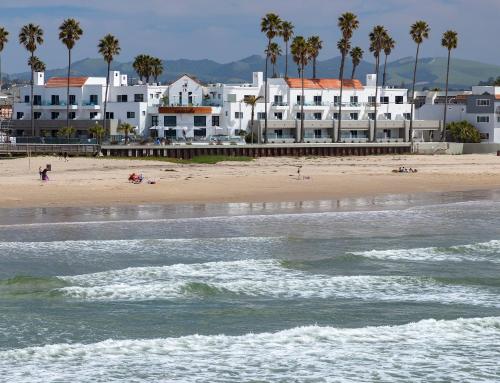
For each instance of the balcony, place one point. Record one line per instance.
(279, 104)
(312, 105)
(91, 105)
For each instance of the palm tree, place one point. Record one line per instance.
(389, 45)
(69, 33)
(156, 68)
(4, 38)
(316, 45)
(252, 102)
(98, 132)
(139, 65)
(126, 128)
(301, 52)
(356, 56)
(273, 52)
(449, 41)
(36, 64)
(109, 47)
(270, 25)
(377, 38)
(348, 23)
(286, 31)
(419, 31)
(30, 36)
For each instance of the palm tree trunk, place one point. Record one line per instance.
(1, 82)
(413, 94)
(106, 98)
(302, 133)
(446, 96)
(314, 67)
(286, 59)
(252, 119)
(339, 131)
(265, 93)
(31, 98)
(377, 64)
(67, 88)
(353, 71)
(385, 66)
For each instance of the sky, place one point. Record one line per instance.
(228, 30)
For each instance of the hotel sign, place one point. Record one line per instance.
(185, 110)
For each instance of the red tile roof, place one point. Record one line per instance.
(323, 83)
(59, 82)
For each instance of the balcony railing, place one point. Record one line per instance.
(280, 103)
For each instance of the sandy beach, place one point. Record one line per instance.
(103, 181)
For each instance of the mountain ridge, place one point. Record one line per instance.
(431, 71)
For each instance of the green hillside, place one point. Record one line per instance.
(431, 71)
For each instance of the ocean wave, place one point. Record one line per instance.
(483, 252)
(263, 278)
(429, 350)
(128, 245)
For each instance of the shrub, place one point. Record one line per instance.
(464, 132)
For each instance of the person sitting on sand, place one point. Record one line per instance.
(44, 175)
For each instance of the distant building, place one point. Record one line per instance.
(188, 108)
(480, 107)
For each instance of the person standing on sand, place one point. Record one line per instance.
(65, 156)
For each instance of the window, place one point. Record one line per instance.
(154, 120)
(93, 115)
(371, 100)
(384, 100)
(215, 121)
(483, 118)
(72, 115)
(231, 97)
(407, 116)
(110, 115)
(353, 133)
(200, 132)
(388, 116)
(317, 133)
(299, 116)
(335, 116)
(139, 97)
(371, 116)
(54, 99)
(498, 118)
(387, 133)
(354, 100)
(482, 102)
(20, 115)
(121, 98)
(143, 112)
(170, 120)
(130, 114)
(484, 136)
(37, 115)
(317, 116)
(278, 100)
(278, 116)
(94, 100)
(261, 115)
(399, 99)
(200, 120)
(27, 99)
(336, 100)
(317, 100)
(238, 115)
(37, 99)
(354, 116)
(299, 98)
(278, 133)
(72, 99)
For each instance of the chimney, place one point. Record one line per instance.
(39, 78)
(371, 80)
(258, 79)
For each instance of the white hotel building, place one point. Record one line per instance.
(188, 109)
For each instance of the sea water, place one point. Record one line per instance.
(386, 289)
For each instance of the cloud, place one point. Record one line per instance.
(226, 30)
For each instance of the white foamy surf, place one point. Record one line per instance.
(426, 351)
(264, 278)
(482, 252)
